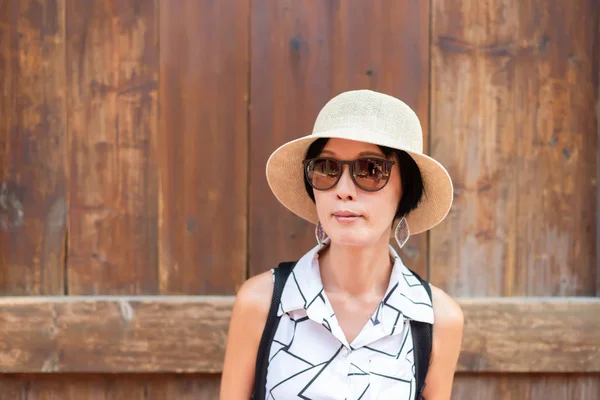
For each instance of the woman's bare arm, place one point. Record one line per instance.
(245, 330)
(447, 341)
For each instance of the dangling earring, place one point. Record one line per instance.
(319, 233)
(402, 232)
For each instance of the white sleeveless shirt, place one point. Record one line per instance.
(310, 357)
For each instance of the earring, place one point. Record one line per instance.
(402, 232)
(319, 233)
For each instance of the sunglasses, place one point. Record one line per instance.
(368, 174)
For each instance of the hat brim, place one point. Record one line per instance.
(285, 176)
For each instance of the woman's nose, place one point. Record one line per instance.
(345, 188)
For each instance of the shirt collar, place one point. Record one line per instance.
(405, 297)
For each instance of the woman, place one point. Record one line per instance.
(345, 311)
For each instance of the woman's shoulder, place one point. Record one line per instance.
(447, 340)
(447, 312)
(246, 326)
(253, 300)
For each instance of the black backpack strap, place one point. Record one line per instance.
(262, 358)
(422, 335)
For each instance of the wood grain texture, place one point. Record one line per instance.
(556, 72)
(526, 386)
(113, 334)
(32, 147)
(473, 135)
(112, 65)
(517, 132)
(531, 335)
(203, 146)
(304, 53)
(188, 334)
(109, 387)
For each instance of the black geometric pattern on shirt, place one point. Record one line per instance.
(301, 394)
(393, 308)
(296, 322)
(300, 290)
(391, 377)
(414, 370)
(325, 323)
(291, 339)
(397, 379)
(286, 348)
(375, 318)
(282, 346)
(386, 303)
(415, 302)
(363, 393)
(293, 376)
(318, 296)
(356, 373)
(396, 322)
(396, 356)
(323, 364)
(406, 335)
(387, 298)
(411, 276)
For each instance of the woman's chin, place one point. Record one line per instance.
(352, 239)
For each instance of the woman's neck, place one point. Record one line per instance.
(356, 271)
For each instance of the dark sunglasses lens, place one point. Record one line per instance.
(323, 173)
(371, 174)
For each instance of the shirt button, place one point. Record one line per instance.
(345, 352)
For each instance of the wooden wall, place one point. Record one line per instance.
(133, 200)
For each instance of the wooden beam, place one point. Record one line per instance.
(113, 334)
(531, 335)
(188, 334)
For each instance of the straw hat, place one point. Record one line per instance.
(369, 117)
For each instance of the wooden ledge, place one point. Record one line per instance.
(188, 334)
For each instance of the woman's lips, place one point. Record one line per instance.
(346, 216)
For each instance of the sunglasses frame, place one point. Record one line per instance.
(387, 163)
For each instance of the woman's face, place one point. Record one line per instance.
(374, 210)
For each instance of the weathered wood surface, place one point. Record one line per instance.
(304, 53)
(32, 147)
(526, 386)
(112, 65)
(188, 334)
(84, 386)
(531, 335)
(557, 78)
(134, 334)
(203, 149)
(206, 387)
(514, 91)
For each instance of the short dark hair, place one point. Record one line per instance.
(412, 181)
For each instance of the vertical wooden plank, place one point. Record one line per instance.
(32, 147)
(112, 66)
(557, 80)
(304, 53)
(203, 146)
(473, 135)
(517, 131)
